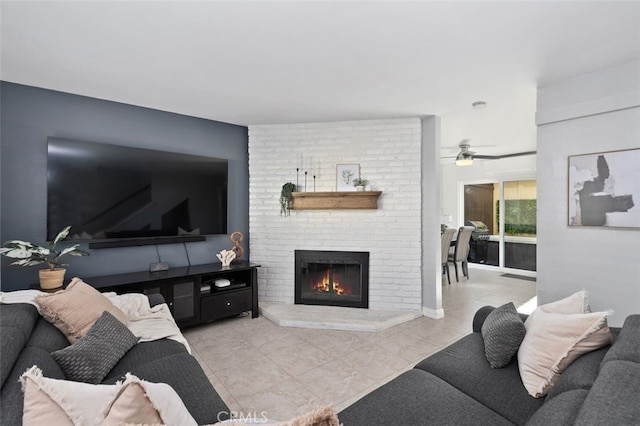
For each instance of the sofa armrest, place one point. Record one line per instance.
(480, 316)
(155, 299)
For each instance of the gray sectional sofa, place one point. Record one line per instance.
(27, 339)
(457, 386)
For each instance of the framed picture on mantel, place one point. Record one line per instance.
(345, 174)
(604, 189)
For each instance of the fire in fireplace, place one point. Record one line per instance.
(335, 278)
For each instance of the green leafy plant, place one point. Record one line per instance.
(29, 254)
(520, 217)
(286, 198)
(360, 182)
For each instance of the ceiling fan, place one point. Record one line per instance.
(465, 157)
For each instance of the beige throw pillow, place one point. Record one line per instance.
(74, 310)
(134, 401)
(553, 341)
(131, 406)
(577, 303)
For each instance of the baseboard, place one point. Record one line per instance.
(433, 313)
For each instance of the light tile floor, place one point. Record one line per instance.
(257, 366)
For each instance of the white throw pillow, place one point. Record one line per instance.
(577, 303)
(63, 402)
(553, 341)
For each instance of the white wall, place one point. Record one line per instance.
(431, 243)
(593, 113)
(389, 154)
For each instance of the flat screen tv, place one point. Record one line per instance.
(133, 196)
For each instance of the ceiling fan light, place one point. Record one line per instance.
(464, 159)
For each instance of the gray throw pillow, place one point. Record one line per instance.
(91, 358)
(502, 331)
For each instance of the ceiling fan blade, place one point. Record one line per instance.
(499, 157)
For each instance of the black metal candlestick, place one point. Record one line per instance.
(305, 180)
(297, 171)
(314, 183)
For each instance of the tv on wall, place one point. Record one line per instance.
(113, 193)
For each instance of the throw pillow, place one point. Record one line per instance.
(74, 310)
(577, 303)
(63, 402)
(132, 407)
(91, 358)
(553, 341)
(502, 332)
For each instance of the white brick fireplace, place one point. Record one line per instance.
(389, 154)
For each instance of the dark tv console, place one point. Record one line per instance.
(190, 291)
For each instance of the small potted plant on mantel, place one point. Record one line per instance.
(29, 254)
(360, 183)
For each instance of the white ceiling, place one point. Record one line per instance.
(291, 62)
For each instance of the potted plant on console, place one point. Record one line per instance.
(29, 254)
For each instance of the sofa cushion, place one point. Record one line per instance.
(144, 353)
(627, 346)
(502, 332)
(581, 374)
(613, 399)
(561, 411)
(12, 343)
(17, 322)
(91, 358)
(321, 416)
(75, 309)
(553, 341)
(419, 398)
(182, 372)
(11, 397)
(464, 366)
(46, 336)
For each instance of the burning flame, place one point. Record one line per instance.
(324, 286)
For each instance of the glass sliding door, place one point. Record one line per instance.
(480, 212)
(520, 201)
(503, 215)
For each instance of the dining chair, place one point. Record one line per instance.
(446, 237)
(461, 250)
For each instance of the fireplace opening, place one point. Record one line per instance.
(334, 278)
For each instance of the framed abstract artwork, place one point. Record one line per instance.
(345, 174)
(604, 189)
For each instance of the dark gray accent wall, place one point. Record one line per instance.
(28, 115)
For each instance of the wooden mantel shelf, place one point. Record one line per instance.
(335, 200)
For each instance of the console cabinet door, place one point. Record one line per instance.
(183, 301)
